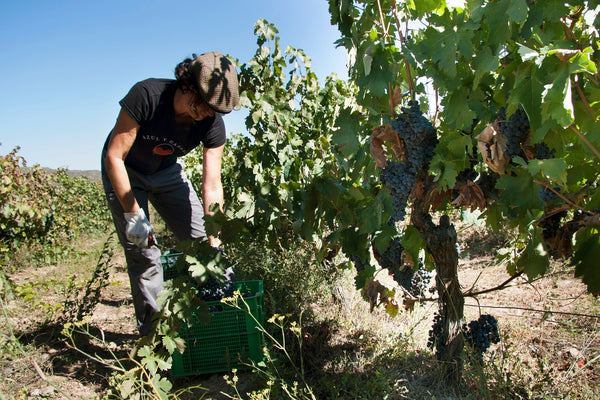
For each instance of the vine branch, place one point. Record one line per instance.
(534, 310)
(585, 140)
(501, 286)
(406, 64)
(584, 99)
(569, 33)
(559, 194)
(391, 100)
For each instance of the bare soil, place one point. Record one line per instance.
(559, 348)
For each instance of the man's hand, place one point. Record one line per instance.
(138, 229)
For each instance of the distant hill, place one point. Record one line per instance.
(93, 175)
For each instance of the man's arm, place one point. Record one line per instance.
(121, 140)
(212, 187)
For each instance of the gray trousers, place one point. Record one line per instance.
(173, 196)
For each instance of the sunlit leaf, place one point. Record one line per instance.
(557, 101)
(551, 168)
(346, 136)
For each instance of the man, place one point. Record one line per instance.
(159, 121)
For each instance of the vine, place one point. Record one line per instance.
(307, 171)
(496, 65)
(38, 208)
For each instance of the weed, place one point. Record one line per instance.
(80, 303)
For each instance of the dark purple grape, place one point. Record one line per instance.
(419, 138)
(516, 129)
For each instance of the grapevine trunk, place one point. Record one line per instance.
(441, 244)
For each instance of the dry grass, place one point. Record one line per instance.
(348, 352)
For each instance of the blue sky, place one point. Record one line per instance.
(66, 64)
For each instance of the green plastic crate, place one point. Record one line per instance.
(230, 340)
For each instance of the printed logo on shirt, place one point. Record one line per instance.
(163, 149)
(165, 146)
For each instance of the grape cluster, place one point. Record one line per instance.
(214, 289)
(420, 281)
(419, 138)
(551, 225)
(546, 195)
(516, 129)
(487, 181)
(416, 282)
(436, 336)
(400, 182)
(543, 152)
(392, 257)
(480, 334)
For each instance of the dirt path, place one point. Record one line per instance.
(530, 333)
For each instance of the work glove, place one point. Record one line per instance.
(138, 230)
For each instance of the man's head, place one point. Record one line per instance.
(216, 80)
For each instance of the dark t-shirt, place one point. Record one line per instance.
(160, 140)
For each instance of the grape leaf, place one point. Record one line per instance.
(446, 172)
(341, 14)
(527, 91)
(585, 259)
(151, 361)
(460, 146)
(362, 277)
(126, 388)
(527, 54)
(554, 10)
(412, 243)
(556, 99)
(172, 344)
(381, 239)
(551, 168)
(444, 54)
(457, 111)
(485, 61)
(428, 6)
(517, 11)
(163, 385)
(345, 137)
(534, 261)
(519, 195)
(497, 21)
(594, 201)
(582, 62)
(369, 219)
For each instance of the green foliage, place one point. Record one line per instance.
(586, 257)
(480, 58)
(305, 170)
(284, 376)
(31, 292)
(311, 283)
(40, 208)
(142, 381)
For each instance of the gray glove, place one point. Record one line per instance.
(138, 230)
